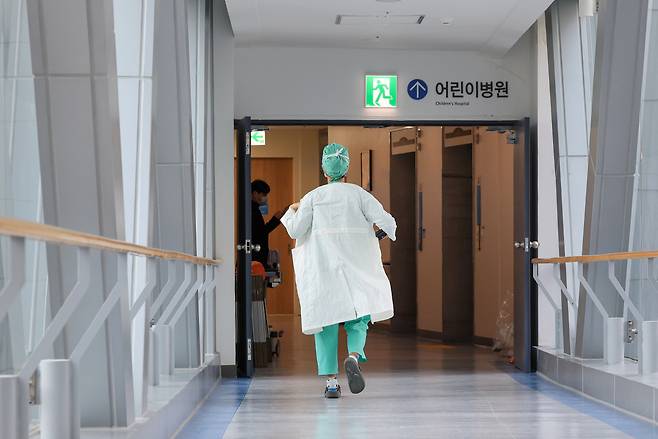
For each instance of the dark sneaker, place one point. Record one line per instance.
(332, 392)
(354, 376)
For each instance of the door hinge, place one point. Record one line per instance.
(512, 138)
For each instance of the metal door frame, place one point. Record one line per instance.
(524, 352)
(244, 330)
(529, 321)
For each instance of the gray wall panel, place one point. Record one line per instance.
(613, 157)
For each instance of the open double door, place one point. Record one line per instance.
(525, 234)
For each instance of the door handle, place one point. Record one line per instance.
(526, 244)
(421, 226)
(248, 247)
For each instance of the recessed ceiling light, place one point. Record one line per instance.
(447, 21)
(348, 19)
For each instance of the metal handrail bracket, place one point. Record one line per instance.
(63, 314)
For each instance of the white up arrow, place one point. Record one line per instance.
(417, 87)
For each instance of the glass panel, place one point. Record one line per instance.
(645, 237)
(196, 28)
(20, 183)
(572, 48)
(133, 28)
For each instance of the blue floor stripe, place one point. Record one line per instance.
(214, 416)
(625, 423)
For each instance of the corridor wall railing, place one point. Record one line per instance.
(55, 390)
(616, 332)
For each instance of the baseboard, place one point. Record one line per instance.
(229, 371)
(381, 329)
(432, 335)
(620, 386)
(170, 405)
(483, 341)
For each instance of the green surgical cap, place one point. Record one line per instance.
(335, 161)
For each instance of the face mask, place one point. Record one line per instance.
(264, 208)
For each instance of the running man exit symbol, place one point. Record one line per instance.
(417, 89)
(381, 91)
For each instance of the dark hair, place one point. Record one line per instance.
(260, 186)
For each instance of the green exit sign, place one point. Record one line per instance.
(258, 138)
(381, 91)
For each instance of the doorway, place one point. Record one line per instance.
(403, 269)
(458, 224)
(414, 188)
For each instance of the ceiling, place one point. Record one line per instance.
(488, 26)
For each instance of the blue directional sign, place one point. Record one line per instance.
(417, 89)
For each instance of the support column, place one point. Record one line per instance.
(613, 155)
(165, 353)
(14, 409)
(154, 358)
(613, 340)
(73, 62)
(648, 354)
(58, 394)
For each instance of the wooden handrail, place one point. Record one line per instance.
(619, 256)
(58, 235)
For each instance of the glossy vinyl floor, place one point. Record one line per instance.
(415, 389)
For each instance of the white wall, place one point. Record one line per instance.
(306, 83)
(224, 182)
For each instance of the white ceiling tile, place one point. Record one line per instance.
(477, 25)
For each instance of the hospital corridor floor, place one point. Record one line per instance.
(415, 389)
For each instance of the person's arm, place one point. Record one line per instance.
(299, 218)
(375, 213)
(275, 221)
(272, 224)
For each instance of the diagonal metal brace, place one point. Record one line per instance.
(15, 275)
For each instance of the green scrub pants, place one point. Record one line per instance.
(326, 344)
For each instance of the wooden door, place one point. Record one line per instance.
(493, 227)
(278, 173)
(403, 250)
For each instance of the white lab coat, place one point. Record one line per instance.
(337, 259)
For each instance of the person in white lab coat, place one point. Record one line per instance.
(338, 267)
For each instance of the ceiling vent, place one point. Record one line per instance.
(347, 19)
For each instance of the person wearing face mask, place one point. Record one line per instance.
(260, 230)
